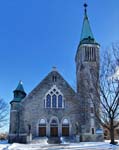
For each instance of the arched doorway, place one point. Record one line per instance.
(65, 127)
(54, 128)
(42, 128)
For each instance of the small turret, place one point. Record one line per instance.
(15, 111)
(19, 93)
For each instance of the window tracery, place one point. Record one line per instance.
(54, 98)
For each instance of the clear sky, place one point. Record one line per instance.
(38, 34)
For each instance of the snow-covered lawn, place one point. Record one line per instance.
(70, 146)
(3, 144)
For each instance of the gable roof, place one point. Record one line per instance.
(47, 82)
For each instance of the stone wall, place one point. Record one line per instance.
(34, 110)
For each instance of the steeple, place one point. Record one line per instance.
(87, 76)
(19, 93)
(86, 34)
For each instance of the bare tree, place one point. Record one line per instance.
(3, 113)
(107, 91)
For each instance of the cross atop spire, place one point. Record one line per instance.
(85, 6)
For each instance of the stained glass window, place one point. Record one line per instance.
(54, 101)
(54, 121)
(42, 121)
(60, 101)
(65, 122)
(54, 98)
(48, 101)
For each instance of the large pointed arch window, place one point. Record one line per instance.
(60, 101)
(54, 98)
(48, 101)
(54, 101)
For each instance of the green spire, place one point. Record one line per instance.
(86, 34)
(19, 93)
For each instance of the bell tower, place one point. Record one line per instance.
(87, 63)
(87, 55)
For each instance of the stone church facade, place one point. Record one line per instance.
(53, 108)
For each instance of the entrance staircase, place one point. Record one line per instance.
(66, 140)
(39, 140)
(54, 140)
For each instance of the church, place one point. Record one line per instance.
(53, 108)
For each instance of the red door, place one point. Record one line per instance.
(42, 131)
(54, 131)
(65, 131)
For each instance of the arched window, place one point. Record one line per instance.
(54, 122)
(54, 101)
(48, 101)
(54, 98)
(65, 122)
(42, 122)
(60, 101)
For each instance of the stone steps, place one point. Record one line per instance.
(54, 140)
(68, 139)
(39, 140)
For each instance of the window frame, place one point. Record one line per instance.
(47, 101)
(52, 92)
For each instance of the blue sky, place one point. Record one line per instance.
(38, 34)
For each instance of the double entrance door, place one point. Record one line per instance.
(53, 131)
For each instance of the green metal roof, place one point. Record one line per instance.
(86, 34)
(20, 87)
(16, 100)
(19, 93)
(86, 29)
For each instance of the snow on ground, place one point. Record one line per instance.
(70, 146)
(3, 144)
